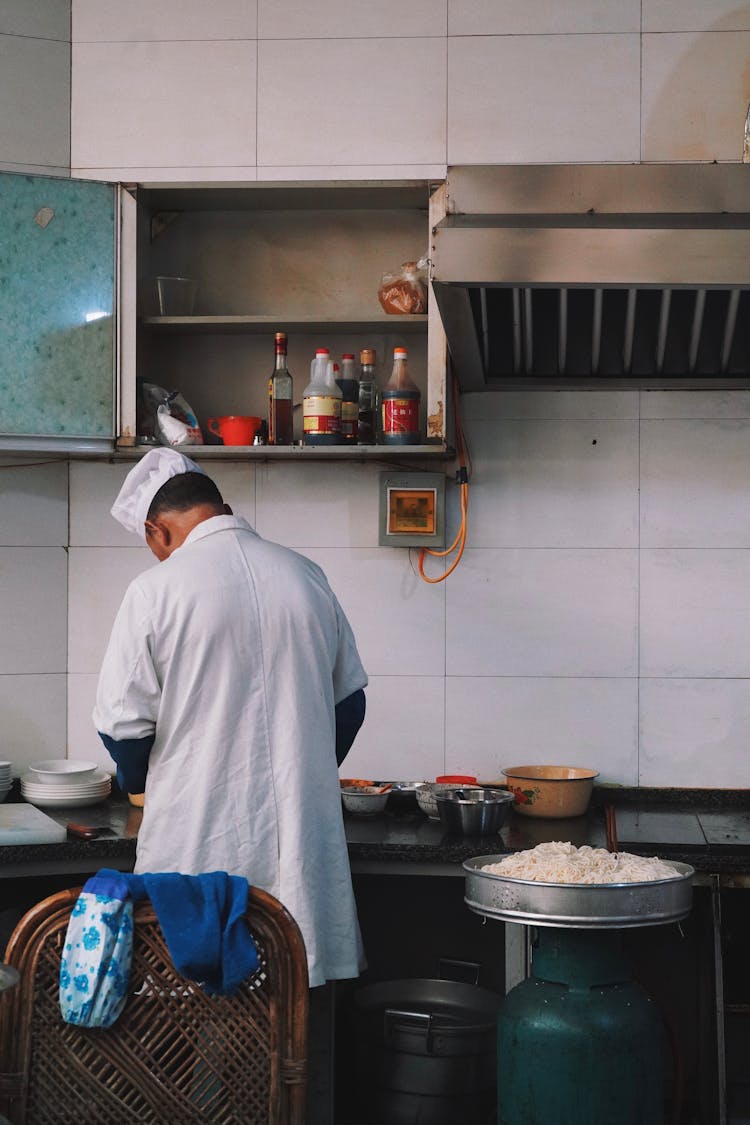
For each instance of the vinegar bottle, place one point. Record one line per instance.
(321, 403)
(400, 404)
(367, 406)
(349, 384)
(280, 427)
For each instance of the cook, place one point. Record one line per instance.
(230, 686)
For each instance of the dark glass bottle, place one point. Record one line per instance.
(349, 385)
(368, 395)
(280, 421)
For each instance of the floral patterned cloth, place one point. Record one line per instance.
(203, 921)
(98, 949)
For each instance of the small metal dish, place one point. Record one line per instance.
(402, 795)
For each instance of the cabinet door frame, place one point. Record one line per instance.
(126, 289)
(81, 444)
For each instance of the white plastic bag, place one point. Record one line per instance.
(174, 422)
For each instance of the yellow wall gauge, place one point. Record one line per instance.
(412, 510)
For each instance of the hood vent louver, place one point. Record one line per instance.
(658, 297)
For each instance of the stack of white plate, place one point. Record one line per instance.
(56, 795)
(6, 781)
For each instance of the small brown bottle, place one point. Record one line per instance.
(280, 422)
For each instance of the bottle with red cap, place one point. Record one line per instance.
(280, 397)
(400, 404)
(321, 403)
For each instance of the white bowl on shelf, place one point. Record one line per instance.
(63, 771)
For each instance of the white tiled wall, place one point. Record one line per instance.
(600, 614)
(281, 89)
(33, 611)
(35, 86)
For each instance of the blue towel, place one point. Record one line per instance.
(202, 918)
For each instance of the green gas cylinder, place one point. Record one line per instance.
(579, 1042)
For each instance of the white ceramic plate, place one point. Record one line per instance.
(34, 795)
(66, 802)
(99, 795)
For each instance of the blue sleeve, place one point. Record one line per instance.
(130, 755)
(350, 714)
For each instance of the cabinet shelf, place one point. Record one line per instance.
(307, 453)
(380, 323)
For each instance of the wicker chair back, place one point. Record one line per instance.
(176, 1054)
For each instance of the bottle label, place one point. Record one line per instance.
(349, 419)
(400, 416)
(321, 414)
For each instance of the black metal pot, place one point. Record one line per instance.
(426, 1052)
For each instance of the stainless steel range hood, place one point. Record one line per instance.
(596, 275)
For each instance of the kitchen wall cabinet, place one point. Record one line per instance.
(79, 301)
(57, 309)
(304, 259)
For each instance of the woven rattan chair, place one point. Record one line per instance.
(175, 1055)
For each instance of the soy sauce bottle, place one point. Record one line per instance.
(400, 404)
(348, 384)
(367, 399)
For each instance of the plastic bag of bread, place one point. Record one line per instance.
(166, 417)
(405, 291)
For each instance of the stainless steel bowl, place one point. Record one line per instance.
(473, 811)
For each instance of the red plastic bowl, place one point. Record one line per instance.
(456, 779)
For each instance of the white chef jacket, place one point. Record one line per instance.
(234, 652)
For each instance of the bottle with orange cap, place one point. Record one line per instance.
(400, 404)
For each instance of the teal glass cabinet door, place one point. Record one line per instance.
(57, 309)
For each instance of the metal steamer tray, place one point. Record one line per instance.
(577, 906)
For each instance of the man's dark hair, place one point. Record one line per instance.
(183, 492)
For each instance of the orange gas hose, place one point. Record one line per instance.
(462, 476)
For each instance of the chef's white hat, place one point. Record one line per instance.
(144, 481)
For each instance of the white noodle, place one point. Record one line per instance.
(559, 862)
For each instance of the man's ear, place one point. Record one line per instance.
(158, 537)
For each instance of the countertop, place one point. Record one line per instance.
(709, 829)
